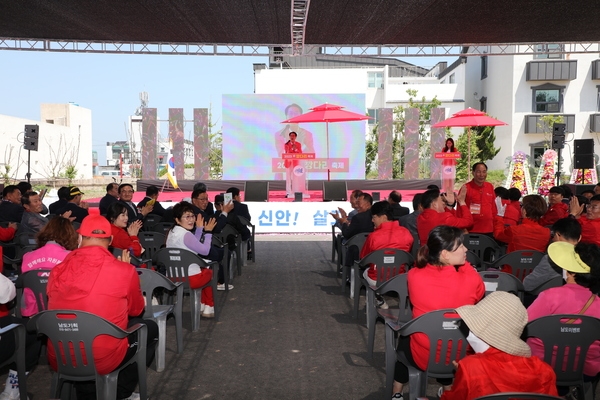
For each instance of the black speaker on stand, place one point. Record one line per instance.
(558, 143)
(30, 142)
(558, 136)
(583, 157)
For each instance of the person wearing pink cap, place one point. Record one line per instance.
(91, 279)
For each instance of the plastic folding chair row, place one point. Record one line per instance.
(357, 241)
(149, 282)
(71, 367)
(176, 263)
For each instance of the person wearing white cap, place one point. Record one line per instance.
(502, 361)
(580, 267)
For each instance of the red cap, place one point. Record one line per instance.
(93, 223)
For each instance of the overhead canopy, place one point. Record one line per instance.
(327, 22)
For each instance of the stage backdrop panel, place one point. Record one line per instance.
(149, 138)
(177, 141)
(254, 137)
(201, 144)
(438, 141)
(385, 130)
(411, 143)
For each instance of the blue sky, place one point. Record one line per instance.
(109, 85)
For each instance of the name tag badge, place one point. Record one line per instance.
(475, 209)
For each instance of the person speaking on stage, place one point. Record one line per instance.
(303, 136)
(294, 182)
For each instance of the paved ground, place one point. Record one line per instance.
(284, 332)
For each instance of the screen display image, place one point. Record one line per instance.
(254, 139)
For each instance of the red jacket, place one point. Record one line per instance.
(527, 236)
(6, 234)
(387, 235)
(512, 214)
(432, 288)
(590, 230)
(554, 213)
(91, 279)
(122, 240)
(495, 371)
(481, 201)
(430, 218)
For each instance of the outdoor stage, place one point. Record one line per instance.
(282, 215)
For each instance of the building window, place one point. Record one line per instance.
(375, 80)
(547, 98)
(551, 50)
(483, 104)
(536, 155)
(372, 112)
(452, 79)
(484, 67)
(598, 99)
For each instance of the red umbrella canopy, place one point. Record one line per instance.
(327, 113)
(469, 120)
(468, 111)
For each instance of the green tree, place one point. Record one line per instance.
(216, 149)
(462, 164)
(484, 140)
(371, 152)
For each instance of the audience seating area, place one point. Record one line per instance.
(164, 296)
(499, 271)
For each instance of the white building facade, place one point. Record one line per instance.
(520, 89)
(65, 140)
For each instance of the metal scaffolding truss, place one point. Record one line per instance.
(298, 47)
(299, 17)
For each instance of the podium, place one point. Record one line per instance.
(295, 173)
(448, 169)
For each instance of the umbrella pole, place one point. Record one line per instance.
(327, 134)
(469, 152)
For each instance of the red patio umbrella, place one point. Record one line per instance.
(326, 113)
(466, 119)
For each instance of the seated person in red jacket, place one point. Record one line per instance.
(437, 210)
(91, 279)
(124, 237)
(442, 278)
(512, 215)
(513, 210)
(588, 217)
(529, 235)
(387, 234)
(556, 208)
(502, 361)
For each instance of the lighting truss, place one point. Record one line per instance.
(297, 48)
(299, 17)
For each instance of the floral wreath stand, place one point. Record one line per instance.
(590, 177)
(546, 176)
(518, 173)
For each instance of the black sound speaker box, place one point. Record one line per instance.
(335, 191)
(256, 191)
(584, 161)
(584, 146)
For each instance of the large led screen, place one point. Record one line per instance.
(254, 137)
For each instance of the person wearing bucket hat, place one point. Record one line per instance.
(442, 278)
(580, 267)
(502, 361)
